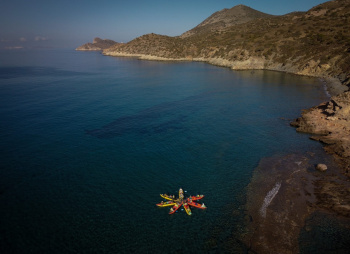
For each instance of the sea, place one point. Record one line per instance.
(89, 142)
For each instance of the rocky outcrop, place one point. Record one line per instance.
(330, 121)
(97, 45)
(321, 167)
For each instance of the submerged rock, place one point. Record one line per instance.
(284, 193)
(279, 199)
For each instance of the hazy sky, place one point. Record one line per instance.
(70, 23)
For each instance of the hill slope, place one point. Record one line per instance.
(315, 43)
(227, 17)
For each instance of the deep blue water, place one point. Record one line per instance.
(88, 143)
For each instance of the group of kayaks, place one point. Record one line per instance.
(181, 200)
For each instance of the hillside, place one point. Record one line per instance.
(97, 45)
(225, 18)
(315, 43)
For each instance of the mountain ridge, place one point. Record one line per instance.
(227, 17)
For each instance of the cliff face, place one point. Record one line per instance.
(97, 45)
(315, 43)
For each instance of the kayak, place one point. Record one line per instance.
(167, 203)
(187, 209)
(194, 204)
(165, 196)
(181, 194)
(197, 197)
(175, 207)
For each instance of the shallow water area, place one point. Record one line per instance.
(88, 143)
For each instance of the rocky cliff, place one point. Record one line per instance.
(97, 45)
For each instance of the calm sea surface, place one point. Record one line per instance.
(88, 143)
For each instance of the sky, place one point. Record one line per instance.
(71, 23)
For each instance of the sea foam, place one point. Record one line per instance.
(268, 199)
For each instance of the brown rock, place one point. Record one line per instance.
(321, 167)
(332, 121)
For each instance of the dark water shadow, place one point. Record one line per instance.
(157, 119)
(30, 71)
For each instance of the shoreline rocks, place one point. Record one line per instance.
(330, 123)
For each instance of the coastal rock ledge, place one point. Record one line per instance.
(330, 121)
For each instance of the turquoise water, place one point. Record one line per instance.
(88, 143)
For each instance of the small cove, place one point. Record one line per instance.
(88, 143)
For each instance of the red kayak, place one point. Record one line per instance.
(175, 207)
(194, 204)
(198, 197)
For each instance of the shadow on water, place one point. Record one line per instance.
(17, 72)
(157, 119)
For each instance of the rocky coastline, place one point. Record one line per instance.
(330, 124)
(286, 192)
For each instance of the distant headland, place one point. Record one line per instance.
(98, 44)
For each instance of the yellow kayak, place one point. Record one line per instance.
(167, 197)
(187, 209)
(165, 204)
